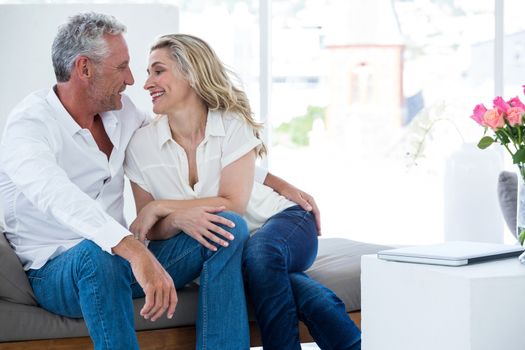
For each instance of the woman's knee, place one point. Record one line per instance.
(240, 231)
(260, 255)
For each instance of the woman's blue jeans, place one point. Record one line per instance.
(282, 294)
(87, 282)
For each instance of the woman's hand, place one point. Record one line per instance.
(201, 224)
(147, 218)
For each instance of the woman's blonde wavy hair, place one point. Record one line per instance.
(209, 77)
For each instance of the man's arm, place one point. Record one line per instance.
(155, 281)
(28, 158)
(285, 189)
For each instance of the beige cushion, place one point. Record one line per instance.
(14, 286)
(24, 322)
(338, 267)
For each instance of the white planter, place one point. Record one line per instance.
(471, 208)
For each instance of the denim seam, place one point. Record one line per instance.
(204, 287)
(303, 219)
(35, 278)
(97, 302)
(290, 233)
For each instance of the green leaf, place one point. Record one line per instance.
(521, 237)
(502, 136)
(519, 156)
(297, 129)
(485, 142)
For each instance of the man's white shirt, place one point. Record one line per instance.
(57, 188)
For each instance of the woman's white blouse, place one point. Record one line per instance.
(156, 163)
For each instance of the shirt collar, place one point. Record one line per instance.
(214, 124)
(214, 127)
(163, 130)
(62, 115)
(109, 118)
(111, 125)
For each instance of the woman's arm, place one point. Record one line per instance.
(161, 219)
(234, 189)
(158, 223)
(149, 217)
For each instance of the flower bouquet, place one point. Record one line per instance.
(506, 123)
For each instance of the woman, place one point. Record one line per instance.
(201, 151)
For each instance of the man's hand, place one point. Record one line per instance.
(306, 201)
(201, 224)
(146, 218)
(157, 284)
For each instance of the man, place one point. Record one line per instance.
(61, 181)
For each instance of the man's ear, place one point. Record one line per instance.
(83, 67)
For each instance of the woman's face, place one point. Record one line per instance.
(168, 89)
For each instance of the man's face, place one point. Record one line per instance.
(111, 75)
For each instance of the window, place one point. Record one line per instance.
(344, 95)
(514, 47)
(370, 98)
(232, 29)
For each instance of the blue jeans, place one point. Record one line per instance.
(282, 294)
(87, 282)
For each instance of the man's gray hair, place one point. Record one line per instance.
(82, 35)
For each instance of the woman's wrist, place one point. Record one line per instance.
(160, 209)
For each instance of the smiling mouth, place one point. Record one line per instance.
(156, 95)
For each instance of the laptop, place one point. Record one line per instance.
(452, 253)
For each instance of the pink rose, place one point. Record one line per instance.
(514, 115)
(500, 104)
(493, 118)
(515, 102)
(478, 113)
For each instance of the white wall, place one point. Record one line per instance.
(27, 32)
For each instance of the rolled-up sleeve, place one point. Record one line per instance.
(239, 140)
(132, 170)
(260, 174)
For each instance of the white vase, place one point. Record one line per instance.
(470, 204)
(520, 207)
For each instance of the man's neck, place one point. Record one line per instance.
(76, 104)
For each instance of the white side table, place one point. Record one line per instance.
(408, 306)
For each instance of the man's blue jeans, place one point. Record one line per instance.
(273, 263)
(87, 282)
